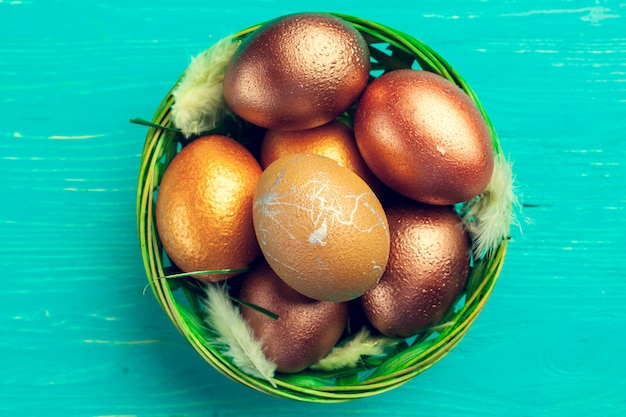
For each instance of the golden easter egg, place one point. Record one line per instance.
(334, 140)
(204, 207)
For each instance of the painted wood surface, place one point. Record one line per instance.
(79, 336)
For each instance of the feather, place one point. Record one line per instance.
(489, 217)
(199, 103)
(350, 353)
(233, 336)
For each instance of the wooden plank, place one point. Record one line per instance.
(80, 336)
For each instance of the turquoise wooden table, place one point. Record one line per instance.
(80, 336)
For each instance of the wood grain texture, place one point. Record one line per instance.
(78, 335)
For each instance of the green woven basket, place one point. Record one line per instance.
(181, 298)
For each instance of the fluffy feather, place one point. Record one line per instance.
(488, 218)
(349, 354)
(198, 99)
(234, 338)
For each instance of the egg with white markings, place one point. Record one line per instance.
(320, 227)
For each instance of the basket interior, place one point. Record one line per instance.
(181, 298)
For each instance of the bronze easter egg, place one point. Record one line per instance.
(306, 329)
(297, 72)
(427, 269)
(424, 137)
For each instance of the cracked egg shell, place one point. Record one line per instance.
(320, 227)
(427, 269)
(306, 329)
(297, 72)
(424, 137)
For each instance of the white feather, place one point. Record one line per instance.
(198, 99)
(233, 336)
(489, 217)
(349, 354)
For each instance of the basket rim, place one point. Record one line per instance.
(159, 148)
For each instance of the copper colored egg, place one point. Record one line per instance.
(424, 137)
(297, 72)
(305, 331)
(427, 269)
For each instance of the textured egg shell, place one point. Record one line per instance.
(204, 206)
(424, 137)
(334, 140)
(297, 72)
(427, 270)
(306, 329)
(320, 227)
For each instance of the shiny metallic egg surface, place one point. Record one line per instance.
(297, 72)
(306, 329)
(424, 137)
(204, 207)
(427, 269)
